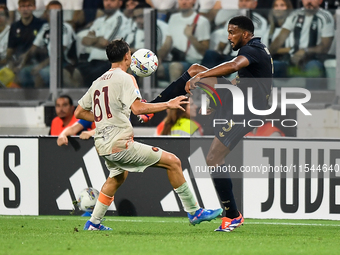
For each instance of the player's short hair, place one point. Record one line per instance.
(25, 1)
(116, 50)
(243, 22)
(65, 96)
(54, 2)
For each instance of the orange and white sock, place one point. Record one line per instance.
(103, 203)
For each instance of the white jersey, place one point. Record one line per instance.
(176, 25)
(325, 25)
(43, 38)
(110, 98)
(114, 27)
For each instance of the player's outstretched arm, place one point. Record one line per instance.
(223, 69)
(72, 130)
(139, 107)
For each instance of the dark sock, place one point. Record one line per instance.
(224, 188)
(176, 88)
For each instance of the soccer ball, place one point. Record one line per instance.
(144, 62)
(87, 199)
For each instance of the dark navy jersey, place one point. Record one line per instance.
(260, 62)
(259, 73)
(258, 76)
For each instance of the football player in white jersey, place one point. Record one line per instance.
(109, 102)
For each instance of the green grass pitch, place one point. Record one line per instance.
(165, 235)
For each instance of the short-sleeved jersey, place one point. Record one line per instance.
(110, 98)
(257, 75)
(43, 38)
(21, 37)
(114, 27)
(325, 26)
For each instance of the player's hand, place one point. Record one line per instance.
(62, 140)
(177, 102)
(191, 84)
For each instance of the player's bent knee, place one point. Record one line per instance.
(175, 161)
(195, 69)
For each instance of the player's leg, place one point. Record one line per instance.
(177, 87)
(216, 157)
(105, 199)
(223, 185)
(175, 174)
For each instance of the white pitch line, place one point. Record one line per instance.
(163, 221)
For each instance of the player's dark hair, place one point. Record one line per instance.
(116, 50)
(243, 22)
(66, 96)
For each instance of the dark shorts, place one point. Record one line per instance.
(230, 134)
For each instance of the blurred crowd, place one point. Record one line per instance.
(299, 35)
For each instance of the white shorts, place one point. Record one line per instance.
(136, 158)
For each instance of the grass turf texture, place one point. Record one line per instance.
(156, 235)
